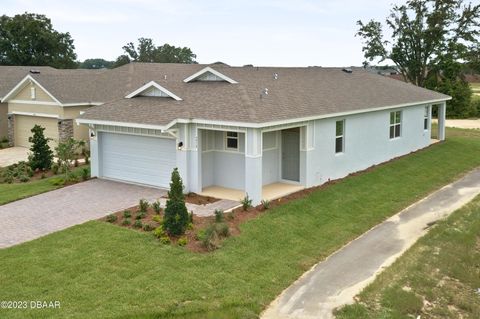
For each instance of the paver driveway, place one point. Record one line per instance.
(12, 155)
(43, 214)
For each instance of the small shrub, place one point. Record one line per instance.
(127, 214)
(158, 219)
(156, 207)
(190, 226)
(148, 227)
(159, 232)
(222, 229)
(200, 235)
(165, 240)
(231, 215)
(190, 217)
(8, 176)
(57, 181)
(246, 202)
(182, 241)
(138, 224)
(265, 203)
(210, 240)
(176, 215)
(111, 218)
(43, 176)
(126, 222)
(140, 215)
(55, 168)
(85, 173)
(71, 177)
(75, 163)
(143, 205)
(219, 216)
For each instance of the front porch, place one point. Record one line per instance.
(269, 192)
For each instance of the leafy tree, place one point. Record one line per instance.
(41, 156)
(29, 39)
(430, 40)
(176, 216)
(147, 51)
(96, 64)
(67, 153)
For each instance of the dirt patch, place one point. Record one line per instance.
(194, 198)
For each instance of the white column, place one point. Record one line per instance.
(94, 155)
(195, 160)
(253, 165)
(441, 120)
(307, 143)
(182, 160)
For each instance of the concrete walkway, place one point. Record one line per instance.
(46, 213)
(12, 155)
(335, 281)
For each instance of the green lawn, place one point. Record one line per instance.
(100, 270)
(441, 269)
(16, 191)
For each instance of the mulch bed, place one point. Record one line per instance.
(194, 198)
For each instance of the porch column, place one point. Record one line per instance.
(253, 165)
(441, 120)
(94, 158)
(182, 158)
(307, 145)
(194, 155)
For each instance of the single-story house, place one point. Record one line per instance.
(233, 131)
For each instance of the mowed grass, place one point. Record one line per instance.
(97, 270)
(437, 278)
(16, 191)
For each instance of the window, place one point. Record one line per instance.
(395, 124)
(231, 141)
(425, 118)
(339, 133)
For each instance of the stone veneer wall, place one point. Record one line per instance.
(65, 130)
(11, 129)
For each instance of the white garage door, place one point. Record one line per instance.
(24, 125)
(139, 159)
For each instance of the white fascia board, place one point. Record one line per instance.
(125, 124)
(149, 85)
(82, 104)
(54, 116)
(209, 69)
(23, 83)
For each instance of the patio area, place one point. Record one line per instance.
(269, 192)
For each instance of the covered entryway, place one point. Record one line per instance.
(138, 159)
(25, 123)
(291, 154)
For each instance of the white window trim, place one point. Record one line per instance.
(394, 124)
(226, 137)
(426, 117)
(342, 136)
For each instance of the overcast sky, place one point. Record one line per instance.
(259, 32)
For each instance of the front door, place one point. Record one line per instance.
(291, 154)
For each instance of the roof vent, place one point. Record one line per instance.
(264, 92)
(34, 71)
(275, 76)
(347, 70)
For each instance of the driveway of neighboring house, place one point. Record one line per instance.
(335, 281)
(46, 213)
(12, 155)
(467, 124)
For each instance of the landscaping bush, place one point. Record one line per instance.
(159, 232)
(127, 214)
(213, 234)
(158, 219)
(156, 207)
(8, 176)
(182, 241)
(176, 215)
(148, 227)
(190, 226)
(138, 224)
(246, 202)
(219, 216)
(85, 173)
(222, 229)
(111, 218)
(165, 240)
(23, 178)
(41, 156)
(265, 203)
(126, 222)
(66, 153)
(140, 215)
(143, 205)
(43, 176)
(55, 168)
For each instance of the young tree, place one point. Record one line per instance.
(430, 39)
(29, 39)
(147, 51)
(66, 154)
(41, 156)
(176, 217)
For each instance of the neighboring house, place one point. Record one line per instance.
(243, 128)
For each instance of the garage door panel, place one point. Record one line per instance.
(140, 159)
(25, 123)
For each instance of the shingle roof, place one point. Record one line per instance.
(296, 93)
(11, 75)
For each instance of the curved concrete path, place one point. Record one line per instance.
(39, 215)
(335, 281)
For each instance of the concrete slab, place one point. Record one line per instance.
(335, 281)
(269, 192)
(12, 155)
(466, 124)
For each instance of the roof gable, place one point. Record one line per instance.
(20, 90)
(209, 75)
(152, 88)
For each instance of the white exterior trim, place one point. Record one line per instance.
(82, 104)
(23, 83)
(54, 116)
(33, 102)
(134, 125)
(210, 70)
(149, 85)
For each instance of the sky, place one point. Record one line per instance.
(261, 32)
